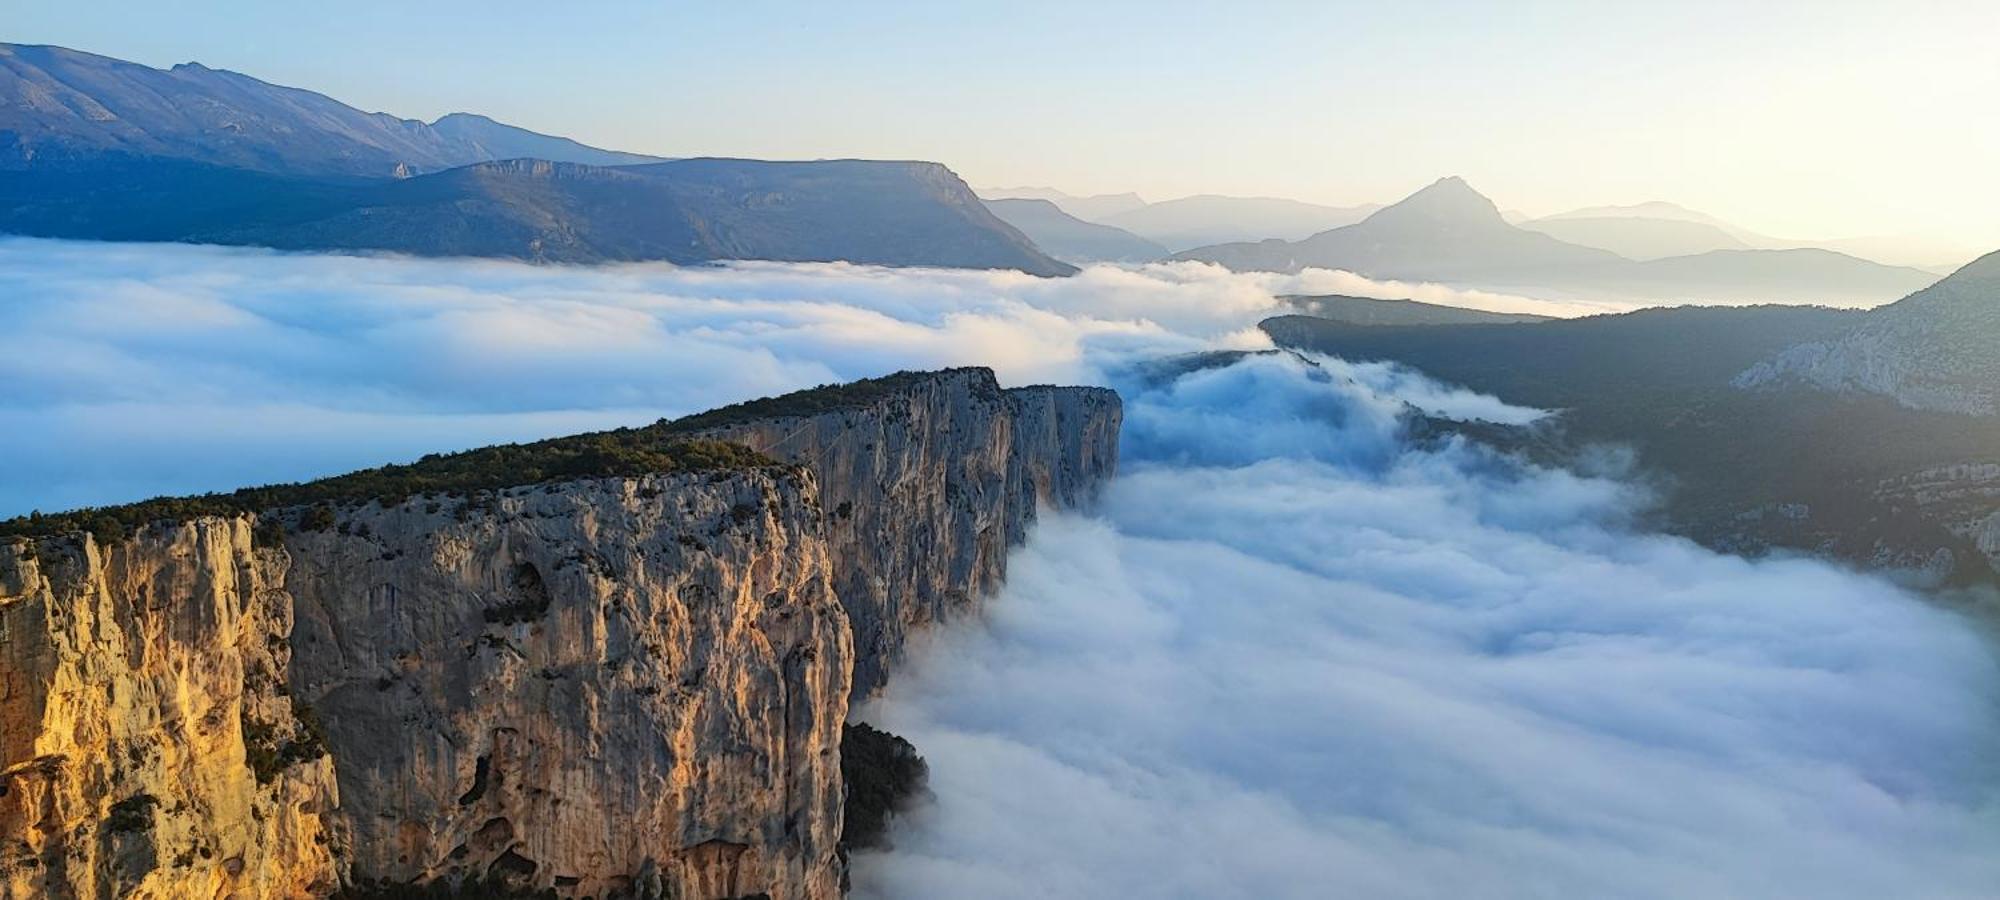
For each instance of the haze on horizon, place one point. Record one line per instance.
(1802, 120)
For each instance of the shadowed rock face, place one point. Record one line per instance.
(584, 684)
(927, 488)
(620, 686)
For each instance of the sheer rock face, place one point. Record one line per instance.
(619, 687)
(616, 686)
(138, 679)
(926, 489)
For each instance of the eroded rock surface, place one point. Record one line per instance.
(614, 686)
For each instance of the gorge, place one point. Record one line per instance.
(610, 665)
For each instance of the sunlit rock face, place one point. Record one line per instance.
(148, 747)
(926, 489)
(627, 687)
(602, 686)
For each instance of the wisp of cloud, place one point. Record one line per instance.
(1294, 657)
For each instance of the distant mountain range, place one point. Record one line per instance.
(1094, 208)
(1198, 220)
(1873, 436)
(1657, 229)
(1071, 239)
(1451, 233)
(99, 148)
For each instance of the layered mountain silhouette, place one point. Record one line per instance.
(1092, 208)
(1451, 233)
(1071, 239)
(1211, 219)
(1195, 221)
(98, 148)
(1445, 231)
(1638, 237)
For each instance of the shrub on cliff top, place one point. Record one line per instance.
(625, 452)
(883, 774)
(823, 399)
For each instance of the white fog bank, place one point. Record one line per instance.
(1290, 656)
(135, 370)
(1294, 658)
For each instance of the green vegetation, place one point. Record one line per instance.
(624, 452)
(815, 401)
(663, 447)
(134, 813)
(1727, 461)
(883, 772)
(268, 755)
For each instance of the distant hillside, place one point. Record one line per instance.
(1094, 208)
(1210, 219)
(684, 211)
(1637, 237)
(1371, 312)
(1445, 231)
(1071, 239)
(498, 140)
(62, 106)
(1848, 474)
(1931, 350)
(1449, 233)
(101, 149)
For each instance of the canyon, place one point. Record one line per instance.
(624, 674)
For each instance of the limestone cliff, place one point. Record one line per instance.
(148, 744)
(625, 677)
(926, 486)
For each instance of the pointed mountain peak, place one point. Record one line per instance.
(1446, 199)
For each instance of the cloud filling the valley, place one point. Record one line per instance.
(1289, 656)
(1293, 657)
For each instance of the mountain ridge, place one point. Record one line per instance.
(1451, 233)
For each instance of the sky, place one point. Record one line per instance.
(1823, 119)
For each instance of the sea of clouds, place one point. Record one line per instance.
(135, 370)
(1289, 656)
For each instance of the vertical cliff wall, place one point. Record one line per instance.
(927, 483)
(612, 687)
(148, 744)
(626, 686)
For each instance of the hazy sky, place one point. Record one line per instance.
(1804, 119)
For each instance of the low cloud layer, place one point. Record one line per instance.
(1289, 658)
(1292, 659)
(135, 370)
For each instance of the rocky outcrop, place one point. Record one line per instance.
(1929, 351)
(927, 486)
(623, 686)
(148, 747)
